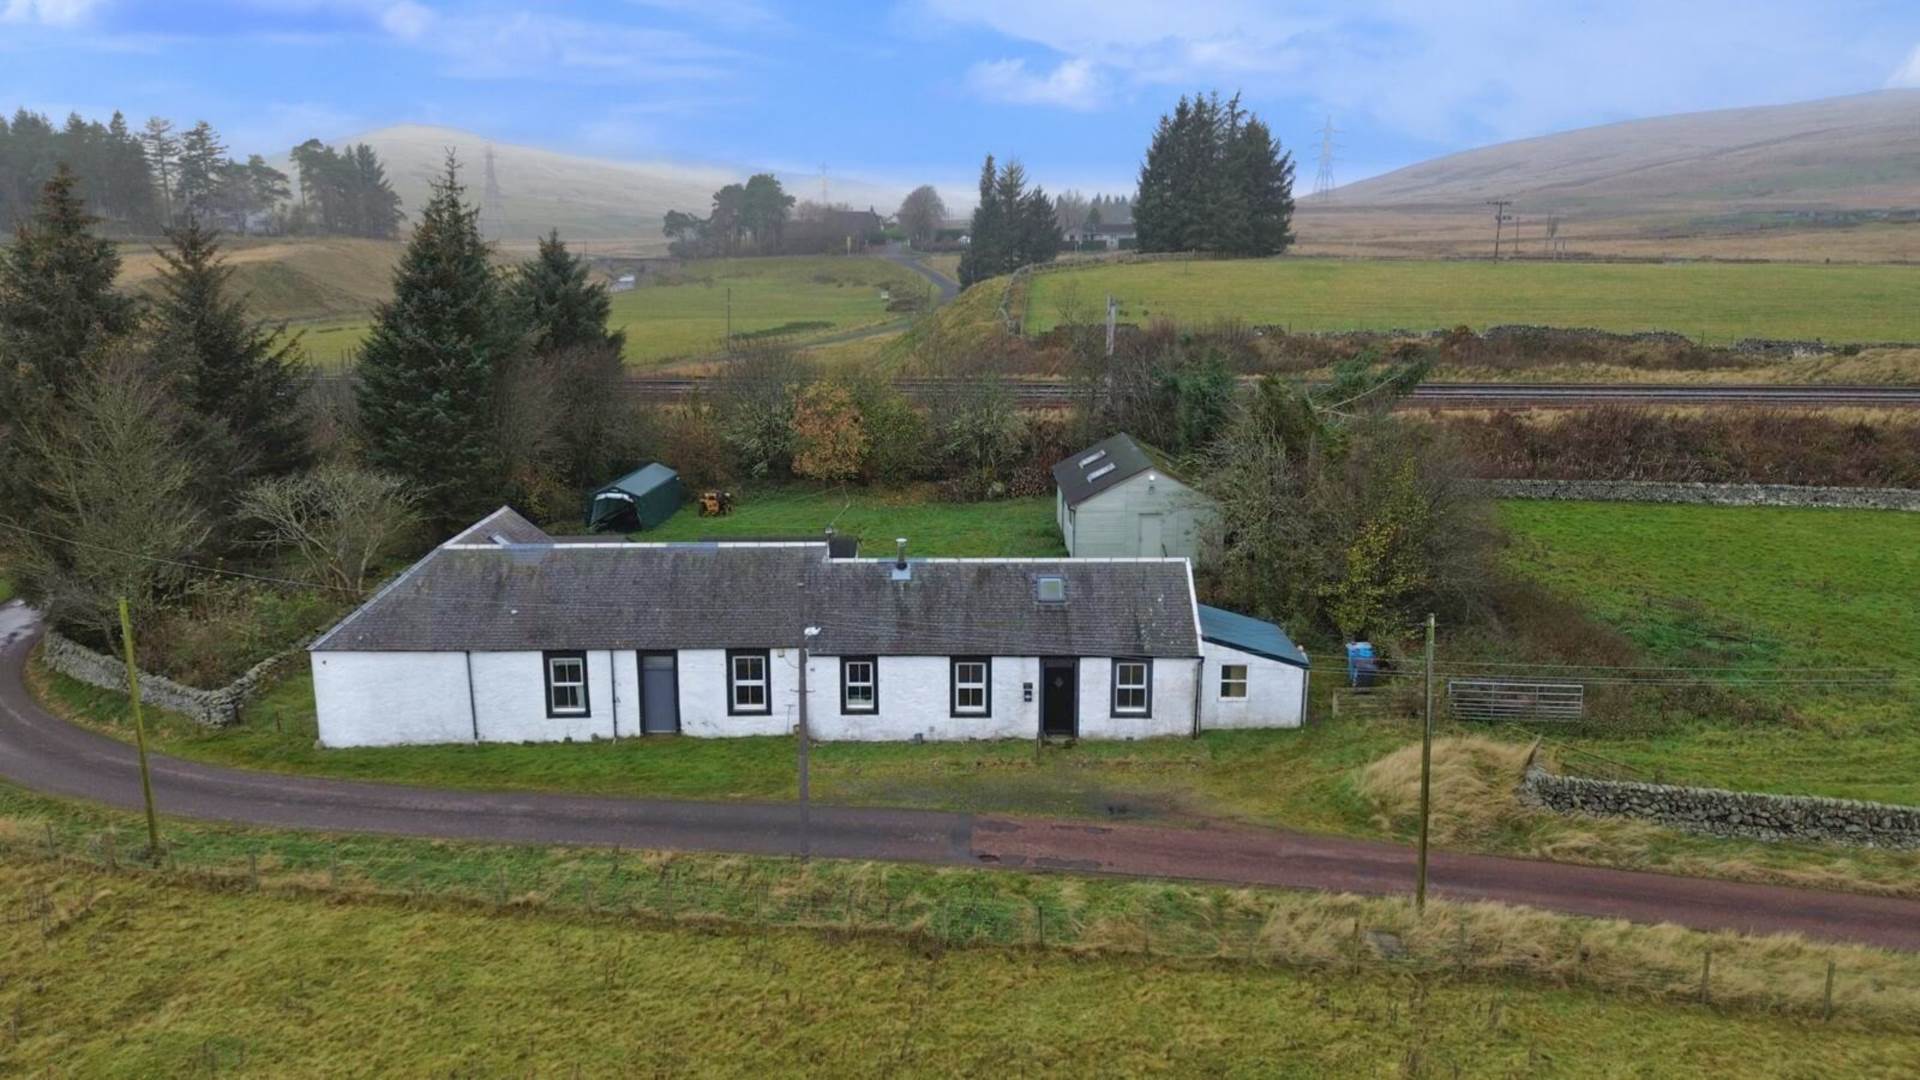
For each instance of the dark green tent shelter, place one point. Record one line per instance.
(639, 500)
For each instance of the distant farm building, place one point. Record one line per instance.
(833, 232)
(1116, 499)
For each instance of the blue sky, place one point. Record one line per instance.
(919, 89)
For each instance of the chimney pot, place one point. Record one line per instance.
(900, 553)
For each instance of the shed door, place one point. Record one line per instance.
(659, 694)
(1150, 544)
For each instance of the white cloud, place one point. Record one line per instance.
(49, 12)
(1448, 71)
(1907, 74)
(406, 20)
(1073, 84)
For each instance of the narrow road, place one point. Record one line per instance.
(900, 255)
(46, 754)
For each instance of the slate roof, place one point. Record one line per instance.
(504, 523)
(1251, 635)
(1076, 476)
(485, 596)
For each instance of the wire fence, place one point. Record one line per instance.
(1166, 921)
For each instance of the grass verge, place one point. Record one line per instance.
(297, 953)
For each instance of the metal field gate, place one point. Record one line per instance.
(1500, 699)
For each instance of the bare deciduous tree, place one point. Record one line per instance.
(340, 519)
(921, 213)
(115, 510)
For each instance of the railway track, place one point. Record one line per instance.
(1041, 393)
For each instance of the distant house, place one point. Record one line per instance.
(833, 232)
(1115, 235)
(505, 634)
(1118, 499)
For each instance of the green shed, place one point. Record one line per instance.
(639, 500)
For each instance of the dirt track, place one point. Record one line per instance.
(44, 753)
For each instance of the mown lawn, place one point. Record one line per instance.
(1782, 598)
(1719, 301)
(269, 953)
(1008, 527)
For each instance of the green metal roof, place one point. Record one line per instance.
(1251, 635)
(643, 479)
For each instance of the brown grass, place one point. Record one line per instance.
(1473, 780)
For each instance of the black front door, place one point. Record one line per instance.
(1059, 697)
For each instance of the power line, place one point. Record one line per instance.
(1323, 181)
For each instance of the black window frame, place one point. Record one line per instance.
(873, 706)
(586, 682)
(765, 708)
(986, 686)
(1113, 692)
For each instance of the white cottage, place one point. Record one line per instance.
(504, 634)
(1115, 499)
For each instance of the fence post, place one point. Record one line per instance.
(53, 848)
(113, 862)
(1040, 920)
(253, 869)
(1827, 1009)
(1706, 977)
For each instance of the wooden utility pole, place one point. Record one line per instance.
(1426, 775)
(806, 809)
(139, 732)
(1499, 220)
(1112, 312)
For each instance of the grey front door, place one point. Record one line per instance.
(1150, 544)
(659, 694)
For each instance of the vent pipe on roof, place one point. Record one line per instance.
(900, 553)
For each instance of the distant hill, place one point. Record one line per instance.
(1836, 179)
(585, 198)
(1851, 153)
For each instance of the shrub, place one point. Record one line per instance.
(754, 401)
(340, 520)
(898, 435)
(829, 437)
(691, 442)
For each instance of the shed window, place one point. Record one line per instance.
(1091, 458)
(859, 684)
(566, 683)
(1233, 680)
(972, 686)
(747, 682)
(1102, 471)
(1132, 688)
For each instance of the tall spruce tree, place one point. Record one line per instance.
(240, 381)
(1214, 180)
(1012, 227)
(427, 372)
(57, 301)
(558, 306)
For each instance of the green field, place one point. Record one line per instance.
(258, 952)
(1718, 301)
(797, 298)
(1780, 595)
(1007, 527)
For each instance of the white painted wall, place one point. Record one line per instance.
(703, 695)
(913, 694)
(1108, 524)
(397, 698)
(1172, 701)
(1276, 692)
(391, 698)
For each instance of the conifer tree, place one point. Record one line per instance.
(558, 306)
(1214, 180)
(239, 381)
(427, 372)
(57, 301)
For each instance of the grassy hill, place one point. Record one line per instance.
(1809, 180)
(614, 203)
(295, 279)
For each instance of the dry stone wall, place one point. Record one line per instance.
(1741, 814)
(1705, 494)
(214, 708)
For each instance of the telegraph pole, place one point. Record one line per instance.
(1499, 219)
(1112, 311)
(139, 733)
(806, 809)
(1426, 775)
